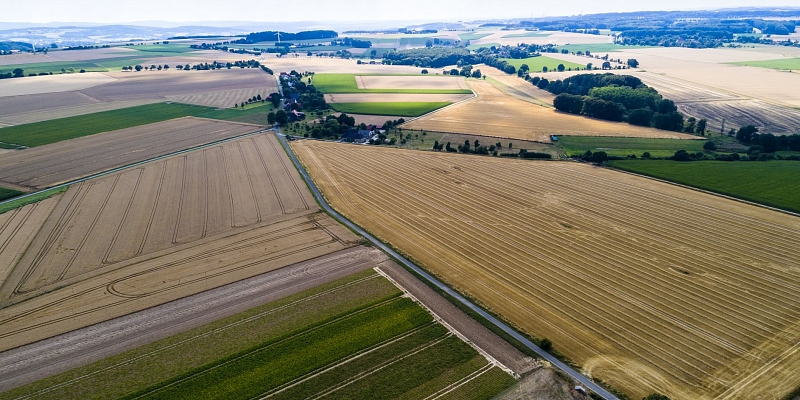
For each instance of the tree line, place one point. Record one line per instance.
(272, 36)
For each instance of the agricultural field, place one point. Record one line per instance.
(60, 56)
(496, 114)
(48, 165)
(783, 64)
(350, 83)
(394, 98)
(50, 84)
(6, 193)
(648, 286)
(30, 117)
(536, 64)
(400, 109)
(598, 48)
(74, 67)
(157, 232)
(511, 38)
(773, 183)
(623, 147)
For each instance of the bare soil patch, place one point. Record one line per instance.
(47, 165)
(496, 114)
(162, 231)
(392, 98)
(410, 82)
(52, 83)
(702, 306)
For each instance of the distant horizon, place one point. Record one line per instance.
(348, 12)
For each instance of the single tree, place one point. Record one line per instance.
(633, 63)
(18, 72)
(701, 127)
(560, 67)
(589, 66)
(709, 146)
(599, 157)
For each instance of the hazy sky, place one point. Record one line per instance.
(43, 11)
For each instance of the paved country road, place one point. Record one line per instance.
(586, 382)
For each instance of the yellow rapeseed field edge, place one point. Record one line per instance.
(648, 286)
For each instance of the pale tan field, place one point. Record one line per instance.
(494, 113)
(43, 102)
(519, 88)
(393, 97)
(45, 166)
(224, 98)
(52, 83)
(158, 232)
(69, 111)
(378, 120)
(410, 82)
(320, 65)
(646, 285)
(556, 38)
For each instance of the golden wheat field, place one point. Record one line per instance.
(646, 285)
(497, 114)
(154, 233)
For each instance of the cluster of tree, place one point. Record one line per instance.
(211, 46)
(615, 98)
(83, 47)
(254, 99)
(273, 36)
(140, 67)
(16, 73)
(769, 143)
(433, 57)
(773, 27)
(332, 127)
(392, 123)
(267, 70)
(7, 46)
(303, 94)
(350, 42)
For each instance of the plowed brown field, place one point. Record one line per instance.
(494, 113)
(646, 285)
(154, 233)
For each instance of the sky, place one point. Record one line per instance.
(46, 11)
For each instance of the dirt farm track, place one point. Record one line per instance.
(646, 285)
(154, 233)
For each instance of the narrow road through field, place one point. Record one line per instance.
(586, 382)
(48, 357)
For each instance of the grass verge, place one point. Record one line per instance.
(6, 193)
(346, 83)
(399, 109)
(13, 204)
(772, 183)
(622, 147)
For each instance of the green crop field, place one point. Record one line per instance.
(352, 338)
(46, 132)
(168, 49)
(103, 65)
(537, 63)
(13, 204)
(773, 183)
(399, 109)
(623, 147)
(789, 64)
(478, 46)
(346, 83)
(6, 194)
(597, 48)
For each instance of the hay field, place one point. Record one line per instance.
(224, 98)
(393, 97)
(494, 113)
(52, 83)
(410, 82)
(44, 166)
(646, 285)
(158, 232)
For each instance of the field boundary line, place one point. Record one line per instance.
(136, 164)
(706, 191)
(461, 382)
(446, 289)
(485, 354)
(474, 96)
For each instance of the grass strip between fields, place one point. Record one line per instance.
(6, 193)
(37, 197)
(398, 109)
(622, 146)
(346, 83)
(537, 64)
(772, 183)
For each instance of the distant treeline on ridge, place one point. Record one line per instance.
(272, 36)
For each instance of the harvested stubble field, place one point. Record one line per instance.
(333, 65)
(157, 232)
(646, 285)
(224, 98)
(399, 109)
(394, 98)
(44, 166)
(52, 83)
(351, 338)
(544, 37)
(60, 56)
(349, 83)
(496, 114)
(49, 113)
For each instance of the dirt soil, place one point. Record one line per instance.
(45, 166)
